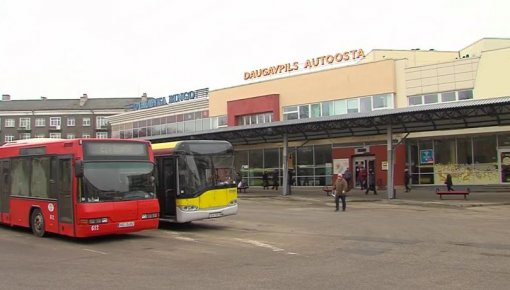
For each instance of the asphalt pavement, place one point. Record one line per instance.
(419, 195)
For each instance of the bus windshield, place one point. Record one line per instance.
(200, 172)
(117, 181)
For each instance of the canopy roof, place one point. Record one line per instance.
(444, 116)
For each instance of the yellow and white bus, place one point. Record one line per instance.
(195, 180)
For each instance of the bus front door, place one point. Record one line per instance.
(167, 188)
(65, 196)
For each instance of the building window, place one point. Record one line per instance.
(85, 135)
(382, 101)
(55, 122)
(24, 123)
(254, 119)
(9, 138)
(55, 135)
(71, 122)
(465, 95)
(352, 106)
(101, 135)
(304, 111)
(70, 136)
(10, 123)
(101, 122)
(440, 97)
(86, 122)
(39, 136)
(448, 97)
(40, 122)
(430, 99)
(24, 136)
(290, 113)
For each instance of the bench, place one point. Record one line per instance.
(452, 192)
(327, 190)
(242, 188)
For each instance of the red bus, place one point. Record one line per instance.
(78, 187)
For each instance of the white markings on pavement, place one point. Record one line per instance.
(185, 239)
(97, 252)
(265, 245)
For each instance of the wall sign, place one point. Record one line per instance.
(427, 156)
(175, 98)
(308, 64)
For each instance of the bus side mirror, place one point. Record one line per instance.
(79, 168)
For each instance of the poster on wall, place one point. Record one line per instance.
(427, 156)
(340, 165)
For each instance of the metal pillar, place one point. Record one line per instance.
(389, 146)
(285, 165)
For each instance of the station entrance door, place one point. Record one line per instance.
(358, 164)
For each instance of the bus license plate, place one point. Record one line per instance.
(126, 224)
(215, 214)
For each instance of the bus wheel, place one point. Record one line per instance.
(37, 220)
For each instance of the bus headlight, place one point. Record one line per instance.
(150, 215)
(188, 207)
(233, 202)
(94, 221)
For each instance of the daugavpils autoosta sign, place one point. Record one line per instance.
(308, 64)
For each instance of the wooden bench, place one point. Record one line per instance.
(452, 192)
(242, 188)
(328, 190)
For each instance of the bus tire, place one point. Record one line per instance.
(37, 223)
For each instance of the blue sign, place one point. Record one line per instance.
(202, 93)
(427, 156)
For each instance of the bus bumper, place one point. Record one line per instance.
(115, 228)
(188, 216)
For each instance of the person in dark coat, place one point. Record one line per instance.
(265, 181)
(276, 180)
(407, 180)
(340, 188)
(449, 182)
(290, 180)
(371, 182)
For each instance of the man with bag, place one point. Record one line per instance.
(340, 188)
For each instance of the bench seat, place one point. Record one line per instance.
(452, 192)
(327, 190)
(242, 188)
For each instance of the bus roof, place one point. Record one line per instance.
(190, 146)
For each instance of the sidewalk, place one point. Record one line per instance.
(420, 196)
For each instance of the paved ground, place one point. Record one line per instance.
(284, 242)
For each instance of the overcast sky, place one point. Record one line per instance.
(123, 48)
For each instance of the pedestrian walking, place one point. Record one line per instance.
(340, 188)
(348, 176)
(449, 182)
(276, 179)
(265, 180)
(407, 180)
(371, 182)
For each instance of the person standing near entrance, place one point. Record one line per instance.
(340, 188)
(363, 178)
(290, 180)
(371, 182)
(348, 176)
(407, 179)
